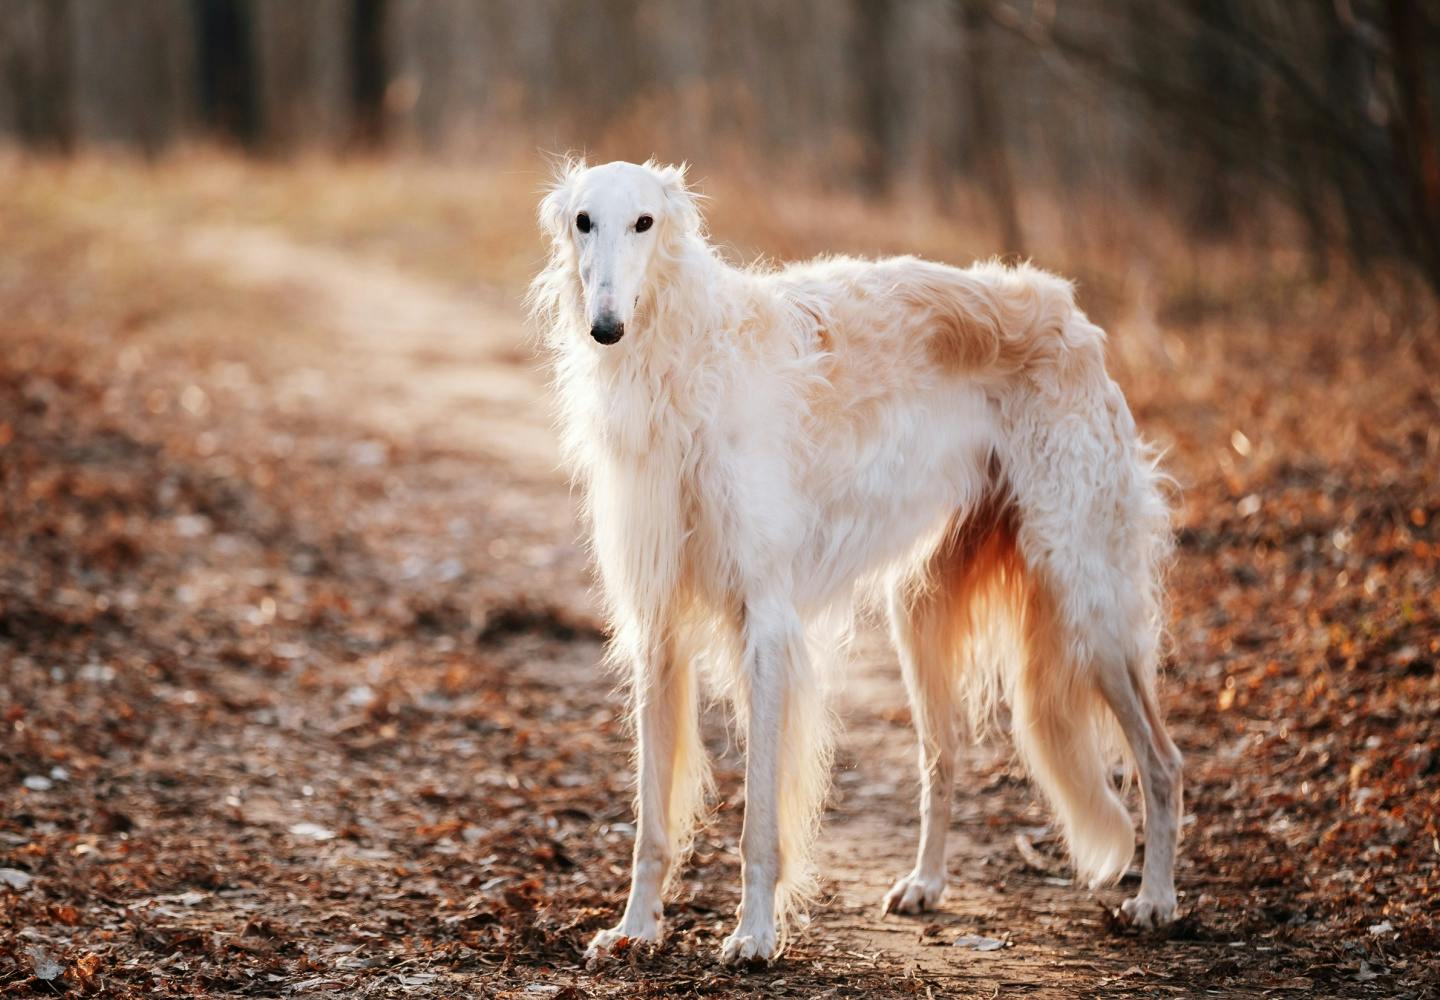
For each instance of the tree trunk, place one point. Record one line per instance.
(35, 93)
(1415, 129)
(989, 152)
(874, 25)
(369, 70)
(133, 72)
(302, 54)
(225, 56)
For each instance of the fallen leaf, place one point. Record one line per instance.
(16, 879)
(43, 963)
(978, 943)
(312, 830)
(83, 969)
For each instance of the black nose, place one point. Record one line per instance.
(607, 331)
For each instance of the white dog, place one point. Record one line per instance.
(755, 443)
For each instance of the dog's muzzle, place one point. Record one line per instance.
(607, 331)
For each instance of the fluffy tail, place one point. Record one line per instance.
(1008, 645)
(1069, 742)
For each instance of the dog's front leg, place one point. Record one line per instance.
(770, 641)
(661, 697)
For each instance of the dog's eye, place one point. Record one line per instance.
(643, 223)
(582, 222)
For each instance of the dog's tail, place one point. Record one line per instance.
(1069, 742)
(1006, 646)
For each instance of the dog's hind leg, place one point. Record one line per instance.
(1156, 757)
(934, 611)
(920, 634)
(671, 778)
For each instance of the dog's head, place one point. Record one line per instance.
(611, 226)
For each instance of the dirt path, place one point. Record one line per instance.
(427, 360)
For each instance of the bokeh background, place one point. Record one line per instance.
(1215, 112)
(299, 683)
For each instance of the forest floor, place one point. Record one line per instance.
(299, 683)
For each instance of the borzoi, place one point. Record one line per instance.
(754, 444)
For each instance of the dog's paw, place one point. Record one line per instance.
(1148, 911)
(746, 947)
(915, 893)
(617, 938)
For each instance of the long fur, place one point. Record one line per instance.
(766, 440)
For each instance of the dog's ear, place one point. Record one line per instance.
(554, 211)
(684, 203)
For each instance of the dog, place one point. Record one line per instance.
(756, 446)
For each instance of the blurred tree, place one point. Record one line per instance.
(1229, 82)
(988, 151)
(302, 54)
(133, 71)
(1356, 134)
(1216, 109)
(445, 56)
(1414, 130)
(878, 104)
(225, 55)
(369, 69)
(36, 103)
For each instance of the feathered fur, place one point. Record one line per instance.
(762, 441)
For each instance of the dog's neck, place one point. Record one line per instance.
(680, 323)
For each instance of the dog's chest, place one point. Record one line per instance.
(639, 413)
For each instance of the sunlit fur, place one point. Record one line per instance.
(763, 443)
